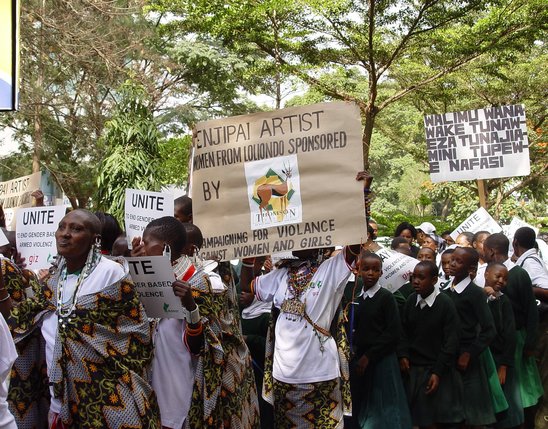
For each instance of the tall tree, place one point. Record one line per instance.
(73, 53)
(131, 139)
(410, 43)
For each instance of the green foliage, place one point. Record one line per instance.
(174, 158)
(131, 138)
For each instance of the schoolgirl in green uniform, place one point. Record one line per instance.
(503, 346)
(428, 350)
(378, 396)
(477, 330)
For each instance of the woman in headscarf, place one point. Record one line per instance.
(97, 335)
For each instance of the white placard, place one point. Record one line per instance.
(142, 207)
(510, 231)
(153, 276)
(35, 234)
(477, 144)
(3, 239)
(396, 269)
(480, 220)
(516, 224)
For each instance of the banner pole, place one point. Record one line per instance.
(482, 193)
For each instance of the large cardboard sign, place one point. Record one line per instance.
(477, 144)
(480, 220)
(142, 207)
(153, 277)
(35, 235)
(279, 181)
(15, 194)
(396, 269)
(9, 36)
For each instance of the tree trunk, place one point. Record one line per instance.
(37, 137)
(38, 132)
(369, 114)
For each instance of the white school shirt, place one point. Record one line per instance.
(480, 274)
(429, 300)
(535, 268)
(297, 355)
(460, 286)
(174, 367)
(105, 273)
(8, 354)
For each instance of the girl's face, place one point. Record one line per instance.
(426, 255)
(407, 235)
(153, 245)
(448, 239)
(462, 241)
(429, 242)
(445, 261)
(460, 264)
(370, 271)
(496, 277)
(423, 282)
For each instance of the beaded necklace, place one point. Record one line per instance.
(62, 309)
(65, 311)
(300, 278)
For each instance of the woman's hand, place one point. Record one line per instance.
(502, 374)
(137, 247)
(404, 365)
(246, 299)
(433, 384)
(20, 261)
(361, 365)
(184, 291)
(463, 362)
(366, 177)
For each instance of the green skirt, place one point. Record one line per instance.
(527, 373)
(542, 350)
(514, 415)
(378, 397)
(500, 404)
(478, 405)
(443, 406)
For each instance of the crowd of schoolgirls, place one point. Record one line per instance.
(465, 335)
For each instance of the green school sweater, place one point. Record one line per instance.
(519, 290)
(377, 326)
(477, 328)
(431, 334)
(503, 346)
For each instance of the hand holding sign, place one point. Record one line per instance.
(137, 247)
(184, 291)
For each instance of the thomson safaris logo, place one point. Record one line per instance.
(167, 309)
(273, 187)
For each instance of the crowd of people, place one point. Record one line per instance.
(313, 341)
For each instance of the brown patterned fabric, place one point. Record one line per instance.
(101, 356)
(338, 332)
(28, 395)
(224, 395)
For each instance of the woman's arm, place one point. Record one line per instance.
(194, 335)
